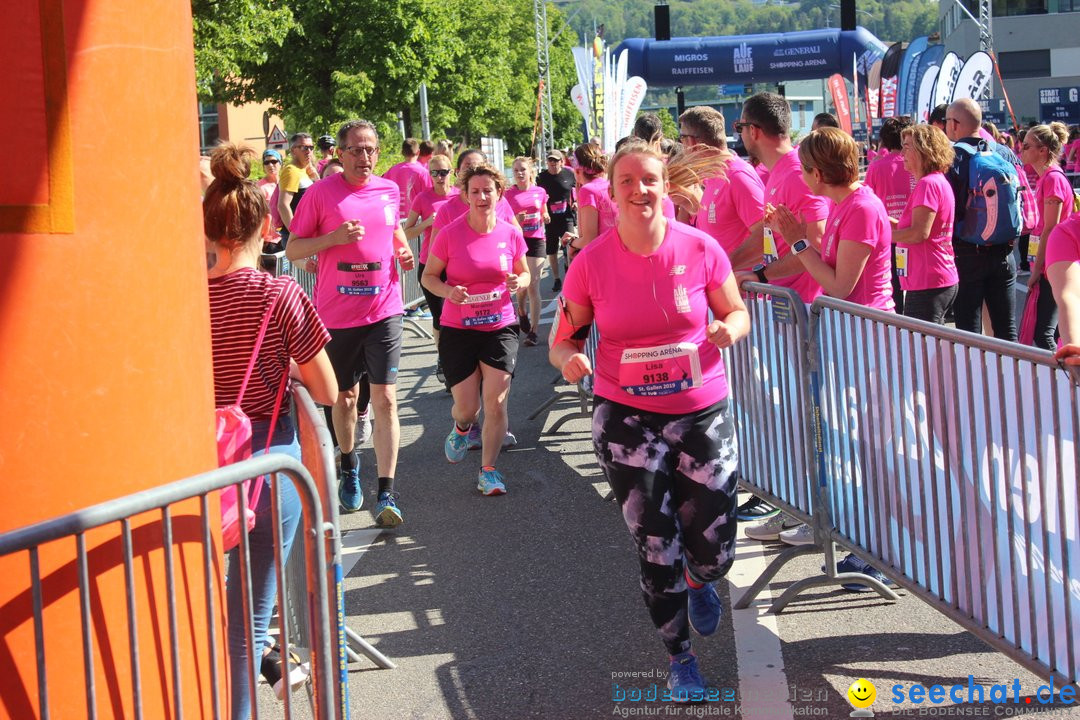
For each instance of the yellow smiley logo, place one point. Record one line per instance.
(862, 693)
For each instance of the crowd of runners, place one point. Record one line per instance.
(647, 248)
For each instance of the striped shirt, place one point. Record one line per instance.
(238, 303)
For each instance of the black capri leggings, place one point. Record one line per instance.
(674, 478)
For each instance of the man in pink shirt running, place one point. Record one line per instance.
(410, 175)
(350, 222)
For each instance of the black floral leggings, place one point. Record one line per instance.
(674, 478)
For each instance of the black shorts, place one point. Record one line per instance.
(373, 349)
(434, 302)
(461, 351)
(537, 247)
(553, 233)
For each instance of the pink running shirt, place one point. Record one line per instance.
(653, 355)
(356, 284)
(1064, 242)
(861, 218)
(595, 194)
(480, 262)
(931, 264)
(412, 178)
(668, 208)
(528, 203)
(1052, 184)
(729, 206)
(787, 187)
(891, 182)
(451, 211)
(425, 205)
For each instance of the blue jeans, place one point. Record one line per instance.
(263, 576)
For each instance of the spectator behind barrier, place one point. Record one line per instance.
(890, 180)
(731, 202)
(235, 215)
(1042, 149)
(987, 272)
(853, 262)
(923, 235)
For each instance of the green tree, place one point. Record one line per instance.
(231, 35)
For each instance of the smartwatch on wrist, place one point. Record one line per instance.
(759, 270)
(799, 245)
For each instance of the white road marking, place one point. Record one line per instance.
(763, 685)
(354, 543)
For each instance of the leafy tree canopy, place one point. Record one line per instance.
(324, 61)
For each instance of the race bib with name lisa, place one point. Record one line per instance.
(660, 370)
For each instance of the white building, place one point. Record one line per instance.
(1037, 44)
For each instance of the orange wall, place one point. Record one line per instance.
(104, 330)
(244, 123)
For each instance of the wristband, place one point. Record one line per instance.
(759, 270)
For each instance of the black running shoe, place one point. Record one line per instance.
(755, 509)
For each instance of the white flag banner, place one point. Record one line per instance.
(633, 93)
(951, 66)
(926, 92)
(974, 77)
(580, 98)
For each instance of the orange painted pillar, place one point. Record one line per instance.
(105, 367)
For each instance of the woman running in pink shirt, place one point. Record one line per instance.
(484, 261)
(529, 202)
(662, 426)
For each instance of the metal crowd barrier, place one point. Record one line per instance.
(771, 385)
(120, 512)
(581, 391)
(950, 460)
(317, 450)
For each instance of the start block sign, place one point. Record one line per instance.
(1061, 104)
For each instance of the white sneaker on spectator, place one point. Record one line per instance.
(770, 528)
(801, 535)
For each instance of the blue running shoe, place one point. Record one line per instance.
(348, 492)
(490, 482)
(387, 512)
(476, 436)
(852, 564)
(456, 446)
(684, 680)
(705, 609)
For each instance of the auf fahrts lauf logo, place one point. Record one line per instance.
(744, 58)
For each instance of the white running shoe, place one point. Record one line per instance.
(770, 528)
(801, 535)
(363, 428)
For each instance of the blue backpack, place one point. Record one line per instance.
(992, 213)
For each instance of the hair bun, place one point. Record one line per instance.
(231, 163)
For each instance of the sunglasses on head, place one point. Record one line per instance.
(440, 173)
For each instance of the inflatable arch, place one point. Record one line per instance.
(772, 57)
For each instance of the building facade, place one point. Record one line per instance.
(1037, 45)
